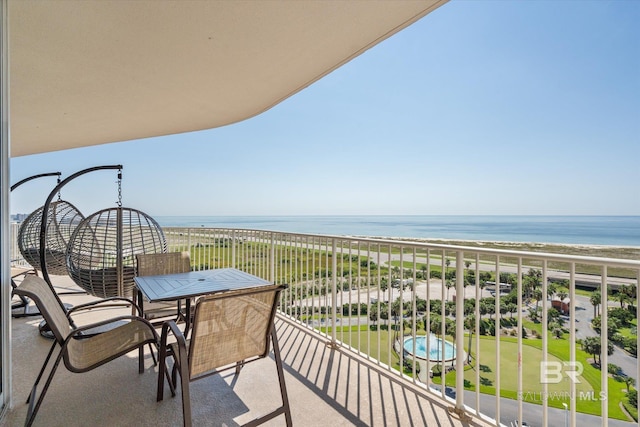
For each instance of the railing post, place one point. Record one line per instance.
(459, 332)
(272, 254)
(497, 335)
(189, 242)
(545, 341)
(233, 249)
(604, 344)
(334, 290)
(459, 353)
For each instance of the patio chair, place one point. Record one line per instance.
(156, 264)
(21, 307)
(230, 329)
(82, 353)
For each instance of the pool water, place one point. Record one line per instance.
(435, 348)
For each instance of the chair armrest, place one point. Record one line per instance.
(78, 331)
(111, 300)
(175, 330)
(170, 325)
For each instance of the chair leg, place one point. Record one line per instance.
(141, 359)
(283, 387)
(44, 365)
(153, 355)
(163, 372)
(239, 366)
(174, 374)
(184, 387)
(33, 409)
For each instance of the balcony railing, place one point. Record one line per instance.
(370, 295)
(378, 298)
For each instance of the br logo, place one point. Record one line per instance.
(552, 372)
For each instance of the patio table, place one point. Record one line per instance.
(173, 287)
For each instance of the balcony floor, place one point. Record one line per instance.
(326, 387)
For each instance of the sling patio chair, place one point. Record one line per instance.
(154, 265)
(21, 307)
(229, 330)
(83, 352)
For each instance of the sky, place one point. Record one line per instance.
(480, 108)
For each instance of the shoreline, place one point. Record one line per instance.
(590, 231)
(604, 251)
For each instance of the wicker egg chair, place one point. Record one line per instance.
(62, 218)
(101, 253)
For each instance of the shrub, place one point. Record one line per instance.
(623, 315)
(632, 396)
(492, 329)
(408, 365)
(437, 370)
(617, 337)
(631, 345)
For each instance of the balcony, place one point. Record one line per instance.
(350, 305)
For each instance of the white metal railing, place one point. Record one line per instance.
(357, 292)
(369, 295)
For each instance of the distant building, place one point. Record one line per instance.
(18, 217)
(561, 306)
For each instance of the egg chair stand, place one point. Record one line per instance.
(22, 307)
(45, 331)
(60, 218)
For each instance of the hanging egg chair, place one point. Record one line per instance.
(22, 307)
(102, 250)
(61, 220)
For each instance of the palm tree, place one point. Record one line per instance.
(537, 294)
(449, 285)
(532, 280)
(562, 295)
(373, 314)
(512, 308)
(592, 346)
(595, 299)
(470, 324)
(396, 311)
(630, 291)
(435, 327)
(621, 297)
(629, 381)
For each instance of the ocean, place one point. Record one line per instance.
(584, 230)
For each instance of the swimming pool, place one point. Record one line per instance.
(435, 348)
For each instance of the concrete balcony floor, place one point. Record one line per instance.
(326, 387)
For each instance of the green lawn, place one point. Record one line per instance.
(531, 385)
(368, 341)
(558, 349)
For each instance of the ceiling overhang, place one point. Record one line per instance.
(91, 72)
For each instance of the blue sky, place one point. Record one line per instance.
(482, 107)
